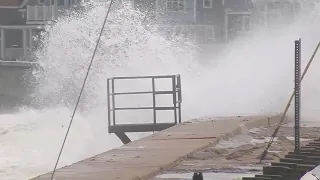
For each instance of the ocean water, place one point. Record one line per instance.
(253, 76)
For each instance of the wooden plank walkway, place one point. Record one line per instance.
(146, 157)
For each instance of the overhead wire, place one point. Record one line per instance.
(82, 88)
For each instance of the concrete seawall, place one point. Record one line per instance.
(14, 88)
(144, 158)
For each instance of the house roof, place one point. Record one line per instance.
(10, 3)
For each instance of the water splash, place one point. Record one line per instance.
(126, 48)
(254, 76)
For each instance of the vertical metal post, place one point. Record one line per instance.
(174, 93)
(297, 76)
(108, 99)
(45, 12)
(54, 10)
(266, 15)
(113, 102)
(226, 19)
(24, 42)
(178, 88)
(66, 3)
(154, 101)
(2, 44)
(30, 40)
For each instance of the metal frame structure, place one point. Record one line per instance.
(297, 92)
(121, 129)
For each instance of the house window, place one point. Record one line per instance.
(185, 33)
(246, 22)
(178, 30)
(175, 5)
(193, 34)
(60, 2)
(73, 2)
(207, 3)
(209, 34)
(41, 2)
(23, 14)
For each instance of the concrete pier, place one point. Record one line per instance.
(144, 158)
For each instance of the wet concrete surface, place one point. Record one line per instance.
(146, 157)
(239, 156)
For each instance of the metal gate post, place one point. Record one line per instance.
(154, 101)
(297, 88)
(178, 88)
(109, 108)
(174, 90)
(113, 102)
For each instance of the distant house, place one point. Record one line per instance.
(225, 19)
(20, 20)
(237, 18)
(8, 11)
(205, 21)
(202, 21)
(179, 17)
(9, 15)
(175, 12)
(266, 11)
(209, 21)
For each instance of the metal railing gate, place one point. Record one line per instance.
(121, 129)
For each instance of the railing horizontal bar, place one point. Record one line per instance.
(144, 92)
(165, 108)
(164, 92)
(146, 77)
(145, 108)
